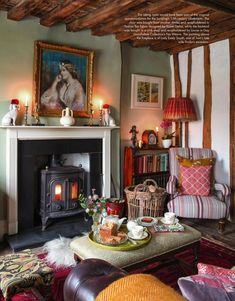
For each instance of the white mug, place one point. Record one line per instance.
(137, 231)
(169, 217)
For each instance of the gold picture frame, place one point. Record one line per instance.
(63, 77)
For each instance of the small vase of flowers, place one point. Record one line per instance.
(94, 207)
(168, 134)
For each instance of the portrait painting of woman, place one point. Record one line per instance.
(64, 79)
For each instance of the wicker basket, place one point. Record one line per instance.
(142, 202)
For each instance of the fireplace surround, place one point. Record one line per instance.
(18, 134)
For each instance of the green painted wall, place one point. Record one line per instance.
(112, 73)
(144, 62)
(17, 59)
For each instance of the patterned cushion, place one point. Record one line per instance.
(196, 180)
(225, 276)
(22, 270)
(197, 162)
(204, 288)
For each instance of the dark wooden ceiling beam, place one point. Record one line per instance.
(190, 10)
(22, 9)
(62, 12)
(123, 36)
(218, 30)
(116, 25)
(175, 48)
(103, 13)
(216, 5)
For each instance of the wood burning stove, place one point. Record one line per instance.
(60, 187)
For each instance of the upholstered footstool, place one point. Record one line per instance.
(88, 278)
(162, 246)
(21, 271)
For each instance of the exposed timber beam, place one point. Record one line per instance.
(62, 12)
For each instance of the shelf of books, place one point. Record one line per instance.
(150, 164)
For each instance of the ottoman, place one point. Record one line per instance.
(162, 246)
(21, 271)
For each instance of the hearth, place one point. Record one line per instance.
(60, 187)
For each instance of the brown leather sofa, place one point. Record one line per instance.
(96, 279)
(88, 278)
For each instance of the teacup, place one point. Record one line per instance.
(131, 224)
(137, 231)
(169, 217)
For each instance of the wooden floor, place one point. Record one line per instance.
(208, 228)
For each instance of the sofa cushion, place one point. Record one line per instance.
(198, 162)
(225, 276)
(196, 180)
(138, 287)
(204, 288)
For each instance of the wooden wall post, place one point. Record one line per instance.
(232, 124)
(178, 92)
(207, 100)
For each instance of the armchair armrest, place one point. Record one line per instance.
(223, 192)
(171, 185)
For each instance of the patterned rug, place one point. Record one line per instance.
(210, 253)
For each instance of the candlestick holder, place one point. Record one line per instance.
(101, 118)
(26, 108)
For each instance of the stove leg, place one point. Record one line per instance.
(44, 223)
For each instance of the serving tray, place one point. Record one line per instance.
(128, 245)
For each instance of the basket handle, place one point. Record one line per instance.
(141, 186)
(151, 180)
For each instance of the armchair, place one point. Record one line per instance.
(212, 206)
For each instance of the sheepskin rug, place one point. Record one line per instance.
(59, 252)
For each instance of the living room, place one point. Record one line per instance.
(203, 74)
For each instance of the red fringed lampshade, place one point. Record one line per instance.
(179, 109)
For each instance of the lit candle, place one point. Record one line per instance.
(140, 143)
(26, 102)
(101, 104)
(157, 129)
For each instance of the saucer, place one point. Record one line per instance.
(144, 235)
(151, 222)
(169, 223)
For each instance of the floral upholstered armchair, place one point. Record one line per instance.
(193, 191)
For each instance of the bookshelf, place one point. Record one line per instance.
(149, 164)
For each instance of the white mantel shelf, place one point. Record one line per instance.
(15, 133)
(43, 132)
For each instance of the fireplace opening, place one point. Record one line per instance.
(60, 188)
(39, 161)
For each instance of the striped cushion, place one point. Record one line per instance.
(197, 207)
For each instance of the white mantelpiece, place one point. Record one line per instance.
(15, 133)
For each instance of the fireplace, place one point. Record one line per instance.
(95, 142)
(60, 188)
(36, 161)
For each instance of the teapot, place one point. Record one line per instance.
(67, 117)
(113, 219)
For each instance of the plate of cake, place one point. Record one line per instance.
(109, 235)
(146, 221)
